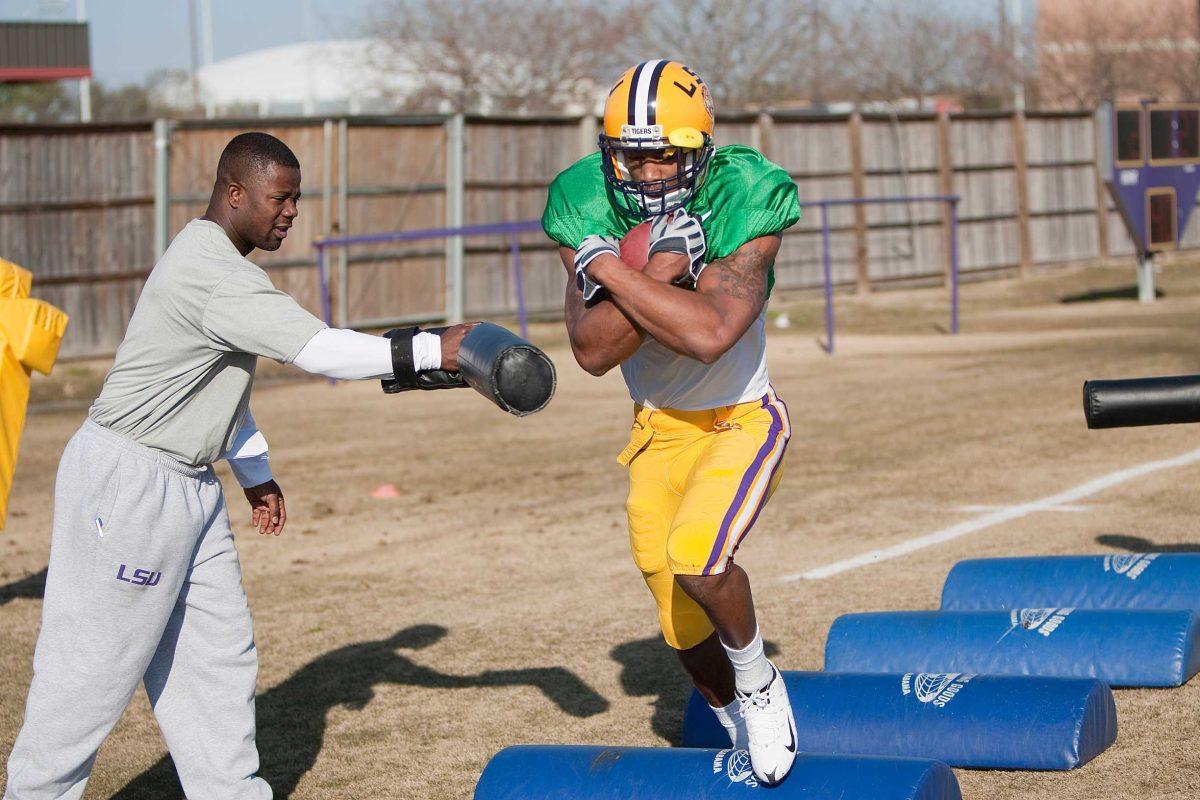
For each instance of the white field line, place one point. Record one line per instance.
(992, 518)
(981, 509)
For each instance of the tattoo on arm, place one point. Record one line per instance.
(743, 275)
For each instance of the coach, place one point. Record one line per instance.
(144, 582)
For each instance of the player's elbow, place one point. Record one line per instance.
(709, 348)
(596, 368)
(593, 363)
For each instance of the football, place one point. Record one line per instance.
(635, 246)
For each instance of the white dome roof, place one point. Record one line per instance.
(306, 75)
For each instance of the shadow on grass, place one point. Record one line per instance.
(1136, 544)
(291, 716)
(31, 587)
(1096, 295)
(650, 668)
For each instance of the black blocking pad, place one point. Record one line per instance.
(506, 369)
(524, 379)
(1142, 401)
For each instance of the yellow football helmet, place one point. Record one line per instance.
(658, 106)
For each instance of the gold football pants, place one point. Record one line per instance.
(697, 482)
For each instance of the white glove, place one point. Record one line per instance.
(589, 249)
(680, 232)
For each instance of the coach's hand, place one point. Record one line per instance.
(451, 340)
(267, 512)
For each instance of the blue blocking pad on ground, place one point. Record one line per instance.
(1000, 722)
(543, 772)
(1131, 580)
(1119, 647)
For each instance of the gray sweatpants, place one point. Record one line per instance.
(143, 584)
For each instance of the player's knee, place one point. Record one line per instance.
(690, 547)
(683, 631)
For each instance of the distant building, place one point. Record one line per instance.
(355, 76)
(352, 76)
(1117, 50)
(46, 51)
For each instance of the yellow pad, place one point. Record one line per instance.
(697, 482)
(30, 333)
(14, 281)
(14, 396)
(34, 329)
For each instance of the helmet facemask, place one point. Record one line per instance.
(651, 198)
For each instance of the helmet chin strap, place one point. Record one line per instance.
(656, 205)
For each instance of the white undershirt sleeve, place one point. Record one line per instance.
(248, 456)
(349, 355)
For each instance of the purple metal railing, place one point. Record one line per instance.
(512, 229)
(826, 264)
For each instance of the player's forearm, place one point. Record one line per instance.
(686, 322)
(601, 336)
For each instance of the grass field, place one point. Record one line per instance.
(404, 641)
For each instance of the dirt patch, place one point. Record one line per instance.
(403, 641)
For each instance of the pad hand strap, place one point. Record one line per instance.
(439, 378)
(680, 232)
(404, 375)
(589, 250)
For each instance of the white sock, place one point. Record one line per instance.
(751, 669)
(734, 723)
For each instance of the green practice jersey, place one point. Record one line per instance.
(744, 196)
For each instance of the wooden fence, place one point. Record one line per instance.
(87, 207)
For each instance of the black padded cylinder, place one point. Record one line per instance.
(1142, 401)
(506, 369)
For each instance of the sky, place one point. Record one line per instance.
(132, 38)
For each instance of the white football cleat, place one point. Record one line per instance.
(771, 729)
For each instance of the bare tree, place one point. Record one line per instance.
(752, 53)
(525, 56)
(550, 55)
(896, 50)
(1095, 52)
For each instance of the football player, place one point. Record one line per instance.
(688, 331)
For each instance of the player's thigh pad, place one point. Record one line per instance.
(651, 505)
(728, 487)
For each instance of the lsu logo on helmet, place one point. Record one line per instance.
(664, 109)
